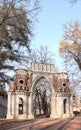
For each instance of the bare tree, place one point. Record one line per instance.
(40, 102)
(74, 1)
(71, 43)
(42, 55)
(70, 50)
(76, 104)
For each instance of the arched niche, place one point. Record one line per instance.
(20, 106)
(65, 106)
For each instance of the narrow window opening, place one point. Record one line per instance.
(64, 104)
(20, 106)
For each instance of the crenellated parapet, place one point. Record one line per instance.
(43, 67)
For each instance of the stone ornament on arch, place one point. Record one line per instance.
(46, 80)
(47, 85)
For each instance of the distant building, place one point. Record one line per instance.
(39, 91)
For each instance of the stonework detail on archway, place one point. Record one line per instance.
(39, 91)
(42, 84)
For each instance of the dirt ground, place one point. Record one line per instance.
(42, 124)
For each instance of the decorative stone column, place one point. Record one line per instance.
(13, 105)
(68, 107)
(71, 105)
(25, 105)
(53, 106)
(9, 116)
(30, 113)
(17, 104)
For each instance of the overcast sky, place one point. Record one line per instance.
(48, 31)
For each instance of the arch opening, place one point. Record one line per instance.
(41, 98)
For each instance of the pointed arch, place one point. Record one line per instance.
(47, 79)
(42, 89)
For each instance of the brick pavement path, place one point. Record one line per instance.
(44, 124)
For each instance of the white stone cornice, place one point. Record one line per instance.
(63, 94)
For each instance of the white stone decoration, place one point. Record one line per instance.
(42, 97)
